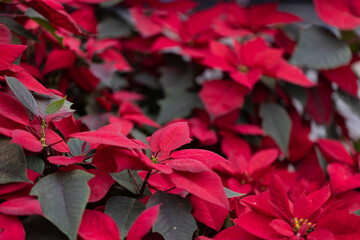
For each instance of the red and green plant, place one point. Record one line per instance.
(145, 119)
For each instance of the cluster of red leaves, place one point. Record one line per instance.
(305, 190)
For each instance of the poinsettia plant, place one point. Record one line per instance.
(156, 119)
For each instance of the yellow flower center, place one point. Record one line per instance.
(302, 225)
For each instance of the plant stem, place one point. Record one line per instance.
(145, 183)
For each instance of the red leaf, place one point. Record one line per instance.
(336, 13)
(344, 77)
(269, 15)
(11, 228)
(63, 160)
(205, 185)
(26, 140)
(59, 59)
(52, 138)
(86, 18)
(98, 225)
(221, 96)
(343, 178)
(107, 138)
(321, 234)
(188, 165)
(21, 207)
(234, 233)
(144, 24)
(9, 53)
(66, 125)
(282, 227)
(252, 220)
(262, 159)
(99, 184)
(13, 109)
(292, 74)
(248, 129)
(143, 223)
(208, 213)
(29, 81)
(170, 137)
(279, 197)
(216, 161)
(333, 150)
(319, 104)
(342, 224)
(56, 16)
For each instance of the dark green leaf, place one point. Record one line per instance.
(38, 228)
(36, 164)
(124, 179)
(63, 197)
(177, 105)
(112, 27)
(277, 123)
(175, 221)
(17, 27)
(75, 146)
(55, 106)
(12, 164)
(23, 94)
(319, 48)
(230, 193)
(124, 211)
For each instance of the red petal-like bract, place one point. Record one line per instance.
(205, 185)
(9, 53)
(143, 223)
(63, 160)
(234, 233)
(21, 207)
(11, 228)
(98, 225)
(107, 138)
(57, 17)
(337, 13)
(99, 184)
(170, 137)
(210, 214)
(26, 140)
(262, 159)
(59, 59)
(13, 109)
(221, 97)
(333, 150)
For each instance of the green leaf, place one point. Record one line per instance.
(230, 193)
(112, 27)
(43, 102)
(39, 228)
(23, 94)
(124, 211)
(319, 48)
(177, 105)
(75, 146)
(63, 197)
(17, 27)
(175, 221)
(277, 123)
(124, 179)
(55, 106)
(35, 163)
(12, 164)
